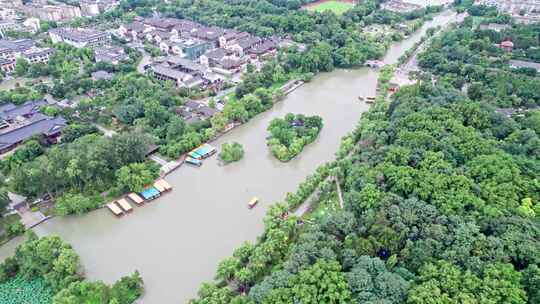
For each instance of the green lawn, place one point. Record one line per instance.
(337, 7)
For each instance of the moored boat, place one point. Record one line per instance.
(370, 99)
(253, 202)
(193, 161)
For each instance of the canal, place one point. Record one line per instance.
(177, 241)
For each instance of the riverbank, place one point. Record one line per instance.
(207, 213)
(177, 241)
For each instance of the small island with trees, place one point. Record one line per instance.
(289, 135)
(231, 152)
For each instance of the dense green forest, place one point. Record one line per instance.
(441, 196)
(48, 270)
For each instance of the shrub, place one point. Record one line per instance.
(231, 152)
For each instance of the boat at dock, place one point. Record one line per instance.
(253, 202)
(123, 203)
(361, 98)
(136, 198)
(162, 186)
(370, 99)
(193, 161)
(150, 193)
(202, 152)
(115, 209)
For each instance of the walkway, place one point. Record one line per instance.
(146, 59)
(30, 218)
(158, 159)
(106, 132)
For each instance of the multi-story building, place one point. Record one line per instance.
(6, 25)
(33, 24)
(80, 37)
(59, 12)
(11, 49)
(180, 79)
(37, 55)
(112, 55)
(89, 7)
(11, 3)
(189, 48)
(7, 65)
(7, 13)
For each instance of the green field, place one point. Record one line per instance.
(18, 290)
(337, 7)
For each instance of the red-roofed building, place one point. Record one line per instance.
(507, 45)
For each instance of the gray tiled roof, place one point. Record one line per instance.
(187, 64)
(78, 34)
(28, 108)
(167, 71)
(19, 45)
(46, 126)
(217, 54)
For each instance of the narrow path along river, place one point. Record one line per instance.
(177, 241)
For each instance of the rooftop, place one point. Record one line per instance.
(102, 75)
(524, 64)
(10, 111)
(169, 72)
(78, 34)
(18, 45)
(46, 126)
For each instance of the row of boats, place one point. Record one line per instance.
(196, 156)
(122, 206)
(367, 99)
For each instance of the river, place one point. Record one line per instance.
(177, 241)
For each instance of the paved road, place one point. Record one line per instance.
(144, 61)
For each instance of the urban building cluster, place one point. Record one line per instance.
(197, 55)
(523, 11)
(48, 10)
(11, 50)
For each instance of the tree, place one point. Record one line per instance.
(444, 282)
(531, 282)
(77, 203)
(231, 152)
(21, 67)
(371, 282)
(134, 177)
(323, 282)
(234, 110)
(218, 121)
(127, 289)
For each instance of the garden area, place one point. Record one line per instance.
(336, 6)
(289, 136)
